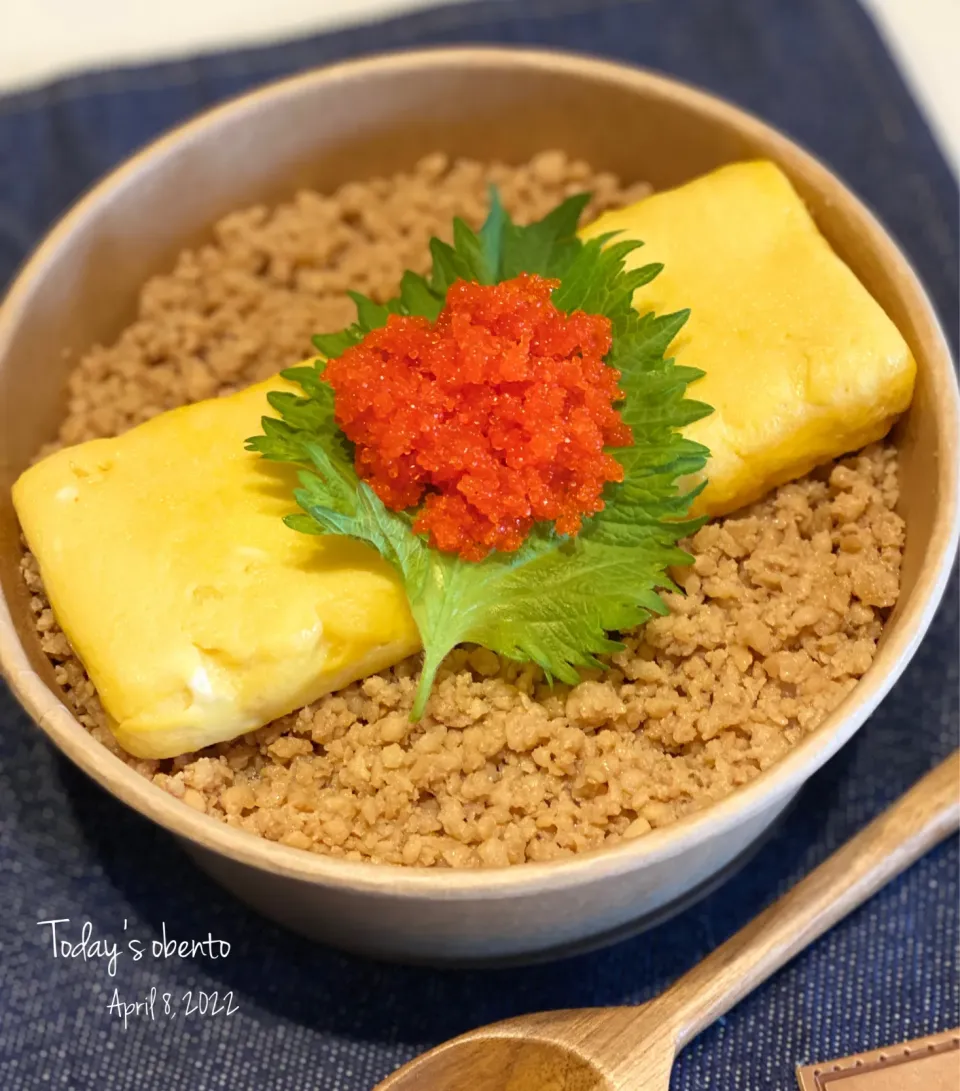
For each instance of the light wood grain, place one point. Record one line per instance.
(632, 1049)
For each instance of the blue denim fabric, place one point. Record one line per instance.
(312, 1018)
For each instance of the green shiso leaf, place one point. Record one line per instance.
(557, 600)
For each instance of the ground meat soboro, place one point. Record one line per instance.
(780, 613)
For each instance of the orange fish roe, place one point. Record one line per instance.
(495, 416)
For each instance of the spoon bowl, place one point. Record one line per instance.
(548, 1051)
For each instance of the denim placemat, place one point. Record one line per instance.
(310, 1018)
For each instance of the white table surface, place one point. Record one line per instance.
(43, 39)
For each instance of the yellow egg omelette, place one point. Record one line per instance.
(200, 615)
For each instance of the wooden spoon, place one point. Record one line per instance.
(633, 1048)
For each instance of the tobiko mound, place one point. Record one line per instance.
(494, 463)
(495, 416)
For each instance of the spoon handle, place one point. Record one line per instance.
(915, 823)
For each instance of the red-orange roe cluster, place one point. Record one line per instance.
(494, 417)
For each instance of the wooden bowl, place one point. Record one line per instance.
(377, 116)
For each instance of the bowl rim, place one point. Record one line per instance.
(785, 777)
